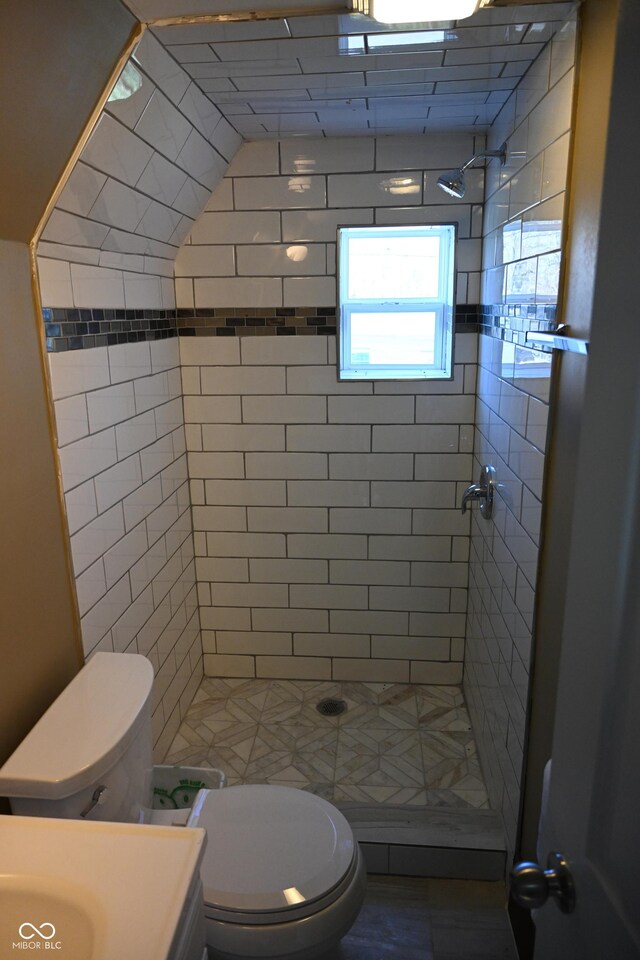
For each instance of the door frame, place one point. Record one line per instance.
(596, 54)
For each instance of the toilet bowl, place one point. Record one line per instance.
(285, 878)
(282, 874)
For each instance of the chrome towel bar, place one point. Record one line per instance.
(558, 340)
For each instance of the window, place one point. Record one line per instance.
(396, 302)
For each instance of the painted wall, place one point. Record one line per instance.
(143, 177)
(524, 217)
(39, 634)
(43, 120)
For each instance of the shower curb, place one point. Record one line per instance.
(462, 844)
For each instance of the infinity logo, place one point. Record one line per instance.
(37, 931)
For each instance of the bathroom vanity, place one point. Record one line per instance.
(99, 891)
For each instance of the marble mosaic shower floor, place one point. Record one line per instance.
(396, 743)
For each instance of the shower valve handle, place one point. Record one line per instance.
(483, 491)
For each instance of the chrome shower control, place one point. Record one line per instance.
(482, 491)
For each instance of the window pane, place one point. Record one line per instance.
(396, 302)
(393, 268)
(393, 338)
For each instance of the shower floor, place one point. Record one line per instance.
(395, 743)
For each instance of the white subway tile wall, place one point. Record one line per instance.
(328, 542)
(523, 229)
(143, 177)
(326, 545)
(267, 235)
(124, 470)
(524, 198)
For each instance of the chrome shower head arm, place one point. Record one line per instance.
(501, 153)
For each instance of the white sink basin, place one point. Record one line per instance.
(28, 900)
(94, 891)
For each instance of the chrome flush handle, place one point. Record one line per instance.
(97, 799)
(483, 491)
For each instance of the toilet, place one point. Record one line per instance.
(282, 874)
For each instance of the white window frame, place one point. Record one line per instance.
(443, 305)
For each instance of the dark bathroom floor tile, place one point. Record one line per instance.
(407, 919)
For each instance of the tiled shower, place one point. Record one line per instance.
(232, 505)
(315, 554)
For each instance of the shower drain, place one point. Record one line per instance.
(329, 707)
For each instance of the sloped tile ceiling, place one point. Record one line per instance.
(158, 151)
(350, 75)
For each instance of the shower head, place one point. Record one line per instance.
(452, 182)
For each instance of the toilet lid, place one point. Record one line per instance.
(270, 848)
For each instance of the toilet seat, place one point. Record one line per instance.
(274, 854)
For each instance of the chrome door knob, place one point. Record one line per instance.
(531, 886)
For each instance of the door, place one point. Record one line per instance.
(593, 811)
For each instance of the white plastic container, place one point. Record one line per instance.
(175, 788)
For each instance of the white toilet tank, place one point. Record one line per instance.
(90, 754)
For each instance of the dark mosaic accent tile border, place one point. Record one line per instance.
(280, 321)
(512, 321)
(259, 321)
(467, 318)
(72, 329)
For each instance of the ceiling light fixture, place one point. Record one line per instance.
(421, 11)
